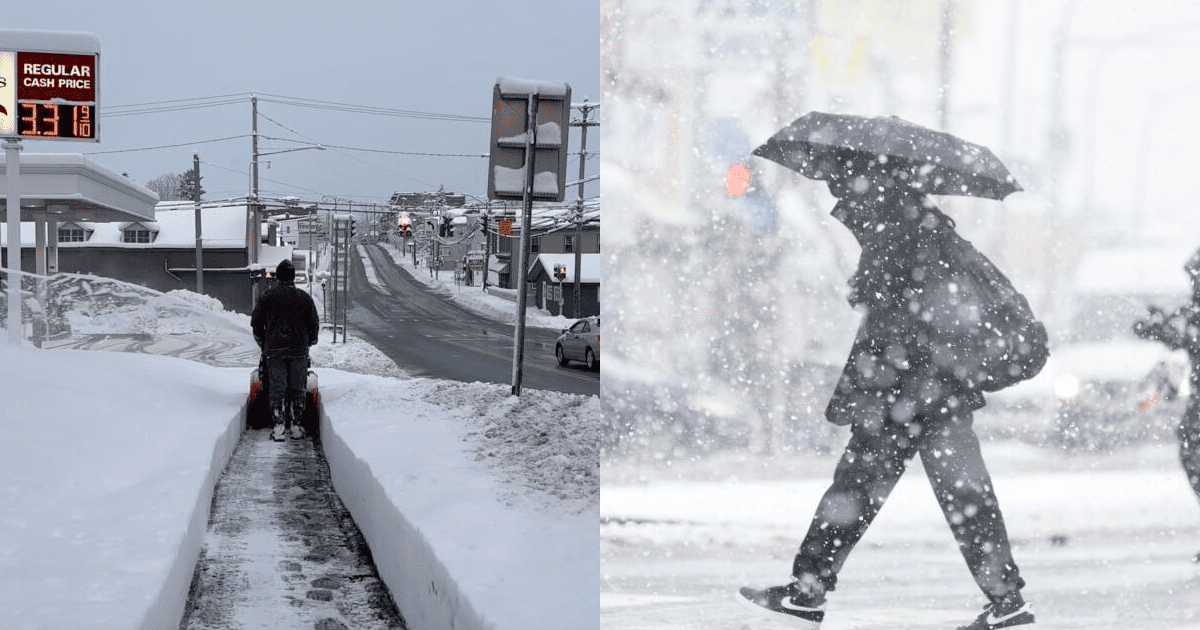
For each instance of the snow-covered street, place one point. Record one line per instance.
(1105, 541)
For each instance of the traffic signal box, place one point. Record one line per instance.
(506, 166)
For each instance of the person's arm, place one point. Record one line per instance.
(256, 324)
(314, 324)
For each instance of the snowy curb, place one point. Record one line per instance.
(169, 605)
(420, 584)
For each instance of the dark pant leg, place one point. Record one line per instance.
(873, 462)
(297, 386)
(954, 464)
(1189, 441)
(277, 381)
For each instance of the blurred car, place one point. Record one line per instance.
(580, 342)
(1104, 387)
(1100, 395)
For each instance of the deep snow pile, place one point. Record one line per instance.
(89, 305)
(531, 440)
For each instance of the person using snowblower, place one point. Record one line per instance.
(1180, 330)
(285, 324)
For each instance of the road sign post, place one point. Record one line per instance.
(528, 161)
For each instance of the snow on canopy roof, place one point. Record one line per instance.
(49, 41)
(512, 86)
(75, 187)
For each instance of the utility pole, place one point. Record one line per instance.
(199, 242)
(583, 125)
(487, 243)
(255, 232)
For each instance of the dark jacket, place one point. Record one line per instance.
(892, 374)
(285, 322)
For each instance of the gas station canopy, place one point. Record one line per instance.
(75, 188)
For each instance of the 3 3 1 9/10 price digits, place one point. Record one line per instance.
(50, 120)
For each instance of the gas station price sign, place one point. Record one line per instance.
(50, 96)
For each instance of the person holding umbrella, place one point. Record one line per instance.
(899, 393)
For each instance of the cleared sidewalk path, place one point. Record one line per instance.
(281, 550)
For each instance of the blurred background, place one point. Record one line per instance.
(727, 318)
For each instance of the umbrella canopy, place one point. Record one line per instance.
(819, 145)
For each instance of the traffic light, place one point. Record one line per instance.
(728, 147)
(444, 227)
(560, 272)
(404, 225)
(738, 180)
(748, 195)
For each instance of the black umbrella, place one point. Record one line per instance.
(818, 144)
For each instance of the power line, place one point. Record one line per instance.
(369, 109)
(180, 100)
(172, 105)
(168, 146)
(107, 113)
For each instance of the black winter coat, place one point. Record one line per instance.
(892, 374)
(285, 322)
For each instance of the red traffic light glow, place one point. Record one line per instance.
(737, 180)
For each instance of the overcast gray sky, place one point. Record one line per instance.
(431, 57)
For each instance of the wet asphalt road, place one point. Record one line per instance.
(430, 336)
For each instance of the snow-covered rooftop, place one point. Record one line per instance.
(221, 226)
(589, 267)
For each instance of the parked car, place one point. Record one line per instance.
(580, 342)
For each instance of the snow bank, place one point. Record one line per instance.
(108, 467)
(457, 548)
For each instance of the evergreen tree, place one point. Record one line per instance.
(188, 184)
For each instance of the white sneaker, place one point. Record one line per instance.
(297, 432)
(278, 433)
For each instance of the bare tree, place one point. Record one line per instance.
(167, 186)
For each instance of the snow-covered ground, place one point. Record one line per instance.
(481, 508)
(1104, 540)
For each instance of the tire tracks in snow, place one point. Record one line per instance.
(281, 550)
